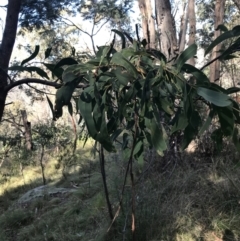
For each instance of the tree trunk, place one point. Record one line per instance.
(215, 66)
(192, 27)
(8, 40)
(183, 28)
(148, 23)
(28, 133)
(166, 28)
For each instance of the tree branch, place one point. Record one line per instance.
(38, 81)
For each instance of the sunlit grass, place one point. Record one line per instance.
(184, 204)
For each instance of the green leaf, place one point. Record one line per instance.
(126, 138)
(180, 124)
(216, 98)
(47, 52)
(115, 134)
(118, 59)
(195, 119)
(63, 97)
(189, 135)
(233, 90)
(167, 106)
(85, 108)
(128, 37)
(186, 55)
(70, 109)
(71, 73)
(236, 112)
(66, 61)
(39, 71)
(55, 71)
(50, 105)
(217, 137)
(201, 78)
(229, 34)
(235, 139)
(227, 54)
(222, 27)
(33, 55)
(158, 137)
(123, 77)
(122, 37)
(138, 153)
(226, 120)
(137, 147)
(207, 122)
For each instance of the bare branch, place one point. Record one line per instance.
(101, 27)
(43, 92)
(75, 25)
(37, 81)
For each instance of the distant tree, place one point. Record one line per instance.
(31, 14)
(37, 14)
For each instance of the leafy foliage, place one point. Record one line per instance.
(136, 94)
(36, 14)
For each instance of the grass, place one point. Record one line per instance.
(197, 199)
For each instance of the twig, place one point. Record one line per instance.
(40, 90)
(102, 166)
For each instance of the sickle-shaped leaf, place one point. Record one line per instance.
(50, 105)
(39, 71)
(63, 97)
(189, 135)
(158, 137)
(66, 61)
(216, 98)
(122, 37)
(85, 108)
(128, 37)
(118, 59)
(186, 55)
(229, 34)
(207, 122)
(226, 120)
(34, 54)
(222, 27)
(70, 109)
(55, 71)
(47, 52)
(198, 74)
(233, 90)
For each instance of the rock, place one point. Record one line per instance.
(42, 191)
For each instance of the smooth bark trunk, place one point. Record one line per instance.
(166, 28)
(183, 28)
(148, 22)
(218, 19)
(192, 27)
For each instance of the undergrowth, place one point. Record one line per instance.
(195, 198)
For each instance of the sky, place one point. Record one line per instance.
(2, 16)
(104, 36)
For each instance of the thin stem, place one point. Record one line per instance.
(103, 172)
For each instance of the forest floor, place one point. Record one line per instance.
(196, 198)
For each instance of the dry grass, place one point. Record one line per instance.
(196, 199)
